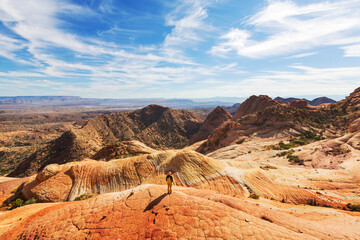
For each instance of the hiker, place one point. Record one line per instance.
(169, 180)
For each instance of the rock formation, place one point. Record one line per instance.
(214, 120)
(66, 182)
(355, 125)
(156, 126)
(301, 104)
(147, 212)
(254, 104)
(122, 150)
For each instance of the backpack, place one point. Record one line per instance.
(169, 179)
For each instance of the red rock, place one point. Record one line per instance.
(302, 104)
(254, 104)
(143, 215)
(355, 125)
(215, 119)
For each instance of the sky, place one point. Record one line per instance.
(179, 49)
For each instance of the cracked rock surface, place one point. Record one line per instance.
(146, 212)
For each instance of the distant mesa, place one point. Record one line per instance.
(39, 99)
(321, 100)
(315, 102)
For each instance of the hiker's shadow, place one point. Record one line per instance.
(155, 202)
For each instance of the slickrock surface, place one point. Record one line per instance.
(268, 177)
(335, 153)
(66, 182)
(146, 212)
(254, 104)
(214, 120)
(9, 186)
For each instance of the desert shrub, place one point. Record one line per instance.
(354, 208)
(16, 203)
(306, 138)
(254, 196)
(84, 197)
(30, 201)
(338, 151)
(15, 190)
(312, 202)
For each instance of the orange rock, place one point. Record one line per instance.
(355, 126)
(185, 214)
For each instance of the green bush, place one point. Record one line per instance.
(83, 197)
(17, 203)
(254, 196)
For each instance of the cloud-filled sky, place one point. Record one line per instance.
(179, 48)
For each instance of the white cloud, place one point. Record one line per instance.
(352, 50)
(188, 20)
(290, 28)
(301, 55)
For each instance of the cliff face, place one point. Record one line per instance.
(214, 120)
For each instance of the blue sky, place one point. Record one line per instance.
(179, 49)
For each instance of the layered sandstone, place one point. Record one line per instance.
(147, 212)
(66, 182)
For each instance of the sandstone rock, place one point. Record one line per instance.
(355, 126)
(185, 214)
(214, 120)
(254, 104)
(302, 104)
(9, 187)
(47, 172)
(94, 177)
(122, 150)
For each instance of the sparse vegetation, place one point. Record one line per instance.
(338, 151)
(306, 138)
(354, 208)
(254, 196)
(19, 202)
(312, 202)
(267, 167)
(289, 155)
(84, 197)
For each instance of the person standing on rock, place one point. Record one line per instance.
(169, 180)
